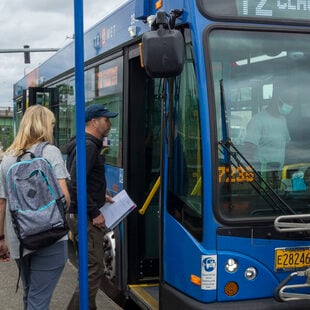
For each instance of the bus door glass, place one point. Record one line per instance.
(47, 97)
(143, 158)
(20, 103)
(66, 121)
(40, 95)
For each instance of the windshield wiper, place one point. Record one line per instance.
(260, 185)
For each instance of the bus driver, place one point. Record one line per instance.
(267, 132)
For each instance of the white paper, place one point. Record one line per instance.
(115, 212)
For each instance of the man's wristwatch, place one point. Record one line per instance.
(2, 237)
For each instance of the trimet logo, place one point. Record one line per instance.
(209, 264)
(99, 40)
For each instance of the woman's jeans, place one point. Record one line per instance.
(40, 272)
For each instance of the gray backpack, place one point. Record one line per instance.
(35, 201)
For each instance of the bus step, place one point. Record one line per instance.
(145, 295)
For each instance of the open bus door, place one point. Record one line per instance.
(131, 260)
(133, 251)
(144, 136)
(46, 96)
(146, 133)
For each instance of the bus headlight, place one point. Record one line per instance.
(231, 265)
(250, 273)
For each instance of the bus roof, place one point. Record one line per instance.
(108, 33)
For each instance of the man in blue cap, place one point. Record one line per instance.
(98, 125)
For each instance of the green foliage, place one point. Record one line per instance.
(6, 137)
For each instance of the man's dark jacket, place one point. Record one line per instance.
(95, 174)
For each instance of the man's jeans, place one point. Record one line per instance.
(95, 238)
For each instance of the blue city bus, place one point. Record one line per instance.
(219, 223)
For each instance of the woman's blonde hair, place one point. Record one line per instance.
(36, 126)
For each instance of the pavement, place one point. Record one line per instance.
(9, 300)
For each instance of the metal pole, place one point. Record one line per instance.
(23, 50)
(81, 154)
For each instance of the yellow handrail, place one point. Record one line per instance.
(197, 188)
(150, 196)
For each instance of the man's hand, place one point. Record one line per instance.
(4, 254)
(109, 198)
(3, 247)
(99, 221)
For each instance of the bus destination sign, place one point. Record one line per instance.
(287, 9)
(278, 10)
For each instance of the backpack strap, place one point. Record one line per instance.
(19, 158)
(39, 149)
(24, 262)
(21, 258)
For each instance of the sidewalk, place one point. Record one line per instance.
(9, 300)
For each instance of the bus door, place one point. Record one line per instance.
(141, 175)
(46, 96)
(20, 106)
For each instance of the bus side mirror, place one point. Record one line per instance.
(163, 52)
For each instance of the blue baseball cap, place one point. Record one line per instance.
(98, 110)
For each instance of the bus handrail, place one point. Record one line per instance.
(288, 292)
(284, 223)
(150, 196)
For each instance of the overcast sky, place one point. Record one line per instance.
(39, 24)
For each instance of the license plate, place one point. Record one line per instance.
(292, 258)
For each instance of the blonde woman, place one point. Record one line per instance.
(41, 269)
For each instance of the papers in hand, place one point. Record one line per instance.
(115, 212)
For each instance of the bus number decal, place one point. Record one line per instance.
(260, 11)
(235, 174)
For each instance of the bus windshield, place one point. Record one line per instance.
(262, 110)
